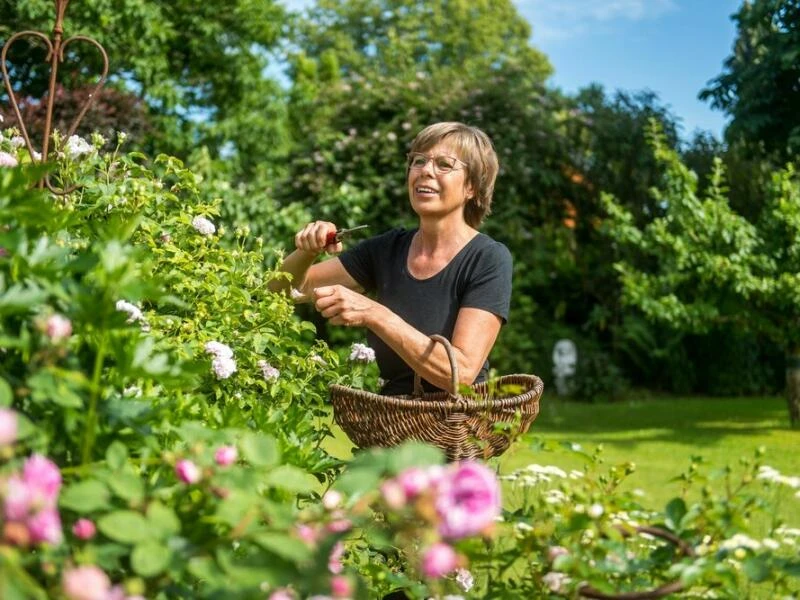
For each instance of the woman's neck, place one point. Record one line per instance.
(437, 237)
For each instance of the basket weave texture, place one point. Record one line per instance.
(463, 427)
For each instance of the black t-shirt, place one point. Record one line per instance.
(479, 276)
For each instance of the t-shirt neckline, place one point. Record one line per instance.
(407, 270)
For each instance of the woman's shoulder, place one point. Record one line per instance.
(490, 247)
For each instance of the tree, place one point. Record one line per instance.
(701, 263)
(760, 86)
(198, 66)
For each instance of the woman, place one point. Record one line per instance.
(443, 277)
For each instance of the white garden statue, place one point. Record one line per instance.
(565, 360)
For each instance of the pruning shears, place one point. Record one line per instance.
(336, 236)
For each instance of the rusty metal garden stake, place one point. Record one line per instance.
(55, 55)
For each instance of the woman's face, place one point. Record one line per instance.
(433, 192)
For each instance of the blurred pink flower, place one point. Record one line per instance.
(393, 494)
(339, 526)
(45, 526)
(414, 481)
(468, 500)
(187, 471)
(438, 560)
(335, 559)
(85, 583)
(8, 427)
(17, 499)
(43, 479)
(282, 594)
(84, 529)
(341, 587)
(58, 327)
(225, 455)
(307, 533)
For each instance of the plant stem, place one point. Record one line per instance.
(91, 418)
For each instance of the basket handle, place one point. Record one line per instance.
(451, 356)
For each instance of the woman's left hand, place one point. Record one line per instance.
(342, 306)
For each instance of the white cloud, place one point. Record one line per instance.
(565, 19)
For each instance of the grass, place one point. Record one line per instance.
(661, 435)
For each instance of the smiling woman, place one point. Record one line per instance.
(442, 278)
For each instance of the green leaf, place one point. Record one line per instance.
(233, 509)
(259, 449)
(85, 497)
(675, 511)
(127, 486)
(292, 479)
(284, 546)
(124, 526)
(6, 393)
(162, 520)
(150, 558)
(116, 455)
(413, 454)
(756, 569)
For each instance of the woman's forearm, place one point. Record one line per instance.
(297, 265)
(424, 356)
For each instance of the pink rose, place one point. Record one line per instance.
(282, 594)
(339, 526)
(17, 501)
(84, 529)
(85, 583)
(43, 479)
(341, 587)
(335, 559)
(393, 494)
(58, 327)
(307, 533)
(414, 481)
(45, 527)
(8, 427)
(468, 500)
(187, 471)
(438, 560)
(225, 455)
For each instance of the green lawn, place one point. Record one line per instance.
(661, 435)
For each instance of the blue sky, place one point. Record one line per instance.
(671, 47)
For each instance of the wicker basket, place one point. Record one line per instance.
(463, 427)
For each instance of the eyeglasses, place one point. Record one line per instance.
(441, 163)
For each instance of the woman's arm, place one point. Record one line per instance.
(475, 333)
(310, 243)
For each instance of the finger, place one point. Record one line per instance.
(334, 248)
(322, 231)
(323, 291)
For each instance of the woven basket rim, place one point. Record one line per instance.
(444, 401)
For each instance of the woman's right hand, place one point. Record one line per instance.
(312, 238)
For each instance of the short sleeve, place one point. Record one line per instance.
(362, 260)
(489, 287)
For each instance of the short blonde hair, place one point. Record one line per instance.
(473, 147)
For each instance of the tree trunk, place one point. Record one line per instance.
(793, 386)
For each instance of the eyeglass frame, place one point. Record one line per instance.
(432, 160)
